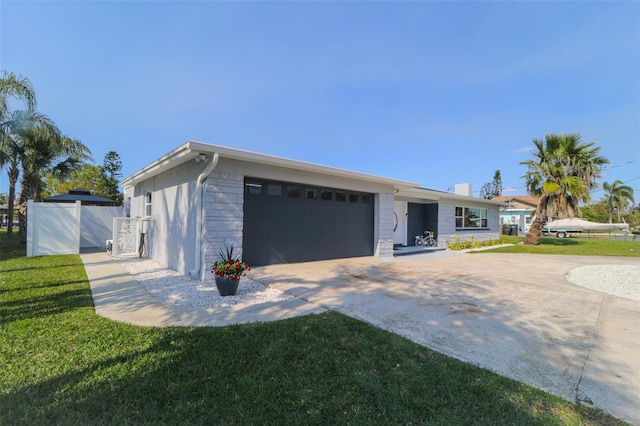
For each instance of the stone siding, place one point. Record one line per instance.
(383, 234)
(223, 216)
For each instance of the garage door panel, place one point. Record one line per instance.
(287, 230)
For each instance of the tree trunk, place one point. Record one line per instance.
(22, 221)
(28, 189)
(14, 172)
(535, 231)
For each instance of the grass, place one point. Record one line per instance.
(571, 246)
(62, 364)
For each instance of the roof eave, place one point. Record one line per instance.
(174, 158)
(191, 149)
(433, 194)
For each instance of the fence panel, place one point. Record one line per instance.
(96, 225)
(53, 228)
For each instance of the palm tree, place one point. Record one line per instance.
(617, 195)
(21, 89)
(18, 87)
(562, 173)
(45, 150)
(13, 146)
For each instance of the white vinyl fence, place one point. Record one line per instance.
(65, 228)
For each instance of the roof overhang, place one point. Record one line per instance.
(192, 150)
(425, 194)
(516, 199)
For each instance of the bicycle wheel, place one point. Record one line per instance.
(431, 242)
(419, 241)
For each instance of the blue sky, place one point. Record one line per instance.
(436, 93)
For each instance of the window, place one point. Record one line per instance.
(311, 194)
(274, 189)
(147, 204)
(293, 191)
(471, 217)
(127, 207)
(253, 188)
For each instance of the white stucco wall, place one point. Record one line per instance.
(171, 229)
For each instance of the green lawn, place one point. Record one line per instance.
(583, 246)
(62, 364)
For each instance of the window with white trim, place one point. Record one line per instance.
(147, 204)
(471, 217)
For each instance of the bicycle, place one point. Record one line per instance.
(426, 241)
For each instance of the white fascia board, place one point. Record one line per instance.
(254, 157)
(178, 156)
(191, 149)
(433, 195)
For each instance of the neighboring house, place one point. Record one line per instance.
(518, 214)
(4, 214)
(200, 197)
(83, 195)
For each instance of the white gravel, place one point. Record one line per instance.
(617, 280)
(172, 288)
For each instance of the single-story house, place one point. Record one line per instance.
(518, 213)
(4, 214)
(85, 197)
(200, 197)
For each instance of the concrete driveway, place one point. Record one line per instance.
(515, 314)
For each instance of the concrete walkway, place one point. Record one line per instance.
(517, 315)
(119, 297)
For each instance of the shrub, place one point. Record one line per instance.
(471, 243)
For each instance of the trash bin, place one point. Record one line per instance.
(513, 230)
(506, 229)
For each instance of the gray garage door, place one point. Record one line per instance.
(288, 222)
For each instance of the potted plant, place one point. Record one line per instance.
(228, 269)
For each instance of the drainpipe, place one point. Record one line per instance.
(199, 207)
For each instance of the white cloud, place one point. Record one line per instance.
(527, 149)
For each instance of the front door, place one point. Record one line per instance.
(400, 213)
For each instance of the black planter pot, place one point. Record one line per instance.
(227, 286)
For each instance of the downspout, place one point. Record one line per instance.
(199, 208)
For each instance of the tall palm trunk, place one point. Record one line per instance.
(14, 173)
(535, 231)
(534, 234)
(28, 191)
